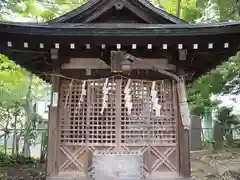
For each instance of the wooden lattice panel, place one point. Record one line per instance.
(82, 122)
(72, 114)
(83, 129)
(102, 127)
(142, 127)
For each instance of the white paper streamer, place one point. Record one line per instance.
(156, 106)
(128, 97)
(184, 109)
(84, 92)
(105, 96)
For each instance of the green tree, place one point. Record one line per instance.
(19, 94)
(37, 10)
(223, 126)
(225, 78)
(186, 9)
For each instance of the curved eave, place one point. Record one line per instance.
(125, 34)
(31, 62)
(45, 29)
(206, 63)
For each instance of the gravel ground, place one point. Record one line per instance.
(224, 165)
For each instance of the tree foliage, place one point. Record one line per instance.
(225, 79)
(188, 8)
(12, 90)
(37, 10)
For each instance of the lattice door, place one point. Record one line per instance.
(83, 129)
(154, 136)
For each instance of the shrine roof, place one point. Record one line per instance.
(93, 9)
(136, 26)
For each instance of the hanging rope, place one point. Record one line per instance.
(181, 90)
(153, 66)
(69, 93)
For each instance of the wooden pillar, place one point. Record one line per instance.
(53, 127)
(184, 147)
(118, 113)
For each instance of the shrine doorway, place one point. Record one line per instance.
(84, 126)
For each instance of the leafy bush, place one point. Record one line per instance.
(207, 143)
(17, 159)
(27, 168)
(3, 176)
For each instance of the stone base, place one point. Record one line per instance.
(68, 176)
(80, 176)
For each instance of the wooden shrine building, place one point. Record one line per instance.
(117, 68)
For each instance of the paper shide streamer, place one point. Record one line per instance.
(83, 94)
(155, 105)
(128, 97)
(181, 92)
(105, 96)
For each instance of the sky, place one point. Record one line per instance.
(230, 101)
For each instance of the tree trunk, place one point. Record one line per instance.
(14, 135)
(178, 8)
(202, 134)
(229, 136)
(217, 136)
(18, 136)
(6, 132)
(28, 124)
(4, 136)
(5, 140)
(229, 139)
(5, 143)
(26, 148)
(43, 147)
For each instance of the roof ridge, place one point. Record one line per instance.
(91, 3)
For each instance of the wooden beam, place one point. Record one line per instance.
(97, 63)
(53, 127)
(104, 73)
